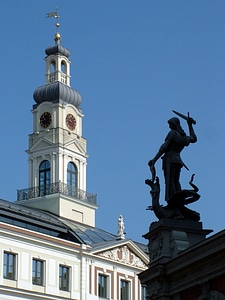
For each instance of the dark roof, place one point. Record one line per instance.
(50, 224)
(41, 221)
(56, 92)
(57, 49)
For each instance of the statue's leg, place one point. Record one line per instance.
(177, 169)
(171, 180)
(167, 176)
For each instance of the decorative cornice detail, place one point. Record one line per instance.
(124, 255)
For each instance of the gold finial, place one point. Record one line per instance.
(57, 38)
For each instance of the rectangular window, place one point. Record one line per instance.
(124, 290)
(37, 271)
(9, 266)
(64, 278)
(143, 292)
(102, 286)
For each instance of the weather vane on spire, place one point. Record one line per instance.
(55, 15)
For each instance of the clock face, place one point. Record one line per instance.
(70, 122)
(45, 119)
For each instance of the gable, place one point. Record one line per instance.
(124, 254)
(76, 146)
(41, 144)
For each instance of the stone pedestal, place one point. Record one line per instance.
(167, 239)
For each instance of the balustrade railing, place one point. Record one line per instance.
(52, 77)
(54, 188)
(55, 76)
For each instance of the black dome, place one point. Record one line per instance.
(55, 92)
(57, 49)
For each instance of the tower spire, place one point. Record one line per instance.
(57, 150)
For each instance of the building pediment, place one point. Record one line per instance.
(76, 146)
(41, 143)
(126, 253)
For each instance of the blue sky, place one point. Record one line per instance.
(133, 62)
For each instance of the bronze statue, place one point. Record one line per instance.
(174, 143)
(170, 151)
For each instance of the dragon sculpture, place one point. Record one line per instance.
(176, 207)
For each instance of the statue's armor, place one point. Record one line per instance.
(174, 144)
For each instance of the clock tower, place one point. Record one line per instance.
(57, 150)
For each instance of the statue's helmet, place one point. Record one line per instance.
(174, 121)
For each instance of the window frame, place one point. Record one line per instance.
(103, 290)
(71, 179)
(125, 291)
(9, 266)
(44, 177)
(143, 292)
(62, 286)
(40, 272)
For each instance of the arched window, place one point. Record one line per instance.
(63, 67)
(72, 179)
(44, 178)
(52, 75)
(52, 66)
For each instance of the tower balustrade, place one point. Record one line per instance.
(55, 188)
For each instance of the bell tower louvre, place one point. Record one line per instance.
(57, 150)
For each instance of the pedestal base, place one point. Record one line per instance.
(168, 237)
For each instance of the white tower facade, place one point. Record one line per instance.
(57, 150)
